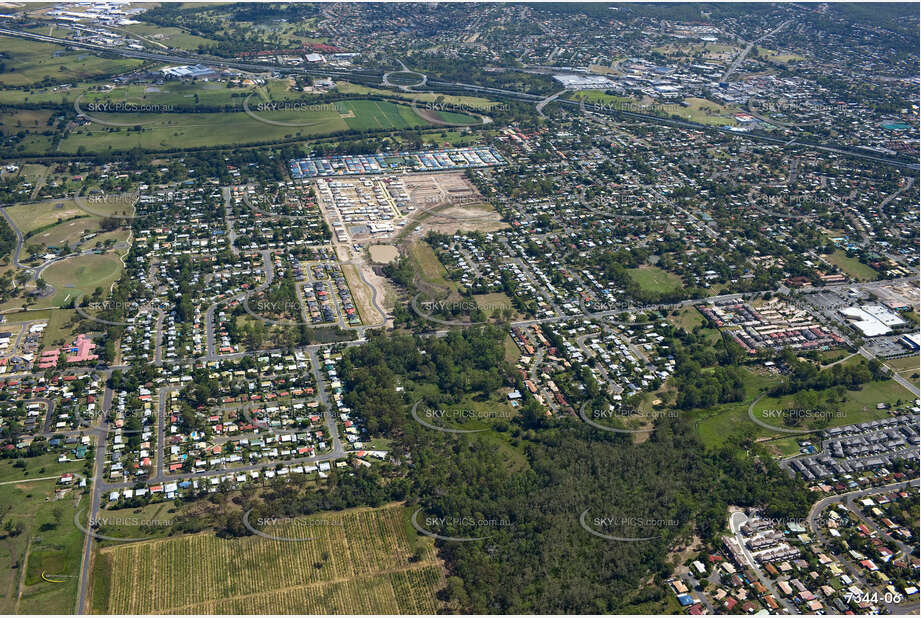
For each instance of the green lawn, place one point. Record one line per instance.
(729, 423)
(654, 279)
(54, 548)
(706, 112)
(28, 217)
(83, 274)
(37, 467)
(161, 130)
(851, 266)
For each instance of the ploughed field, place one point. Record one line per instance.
(357, 561)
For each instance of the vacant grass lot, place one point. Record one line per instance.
(24, 120)
(161, 130)
(29, 62)
(28, 217)
(729, 423)
(48, 542)
(169, 36)
(858, 407)
(430, 268)
(707, 112)
(906, 367)
(853, 267)
(359, 562)
(422, 98)
(654, 279)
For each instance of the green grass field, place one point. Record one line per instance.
(688, 318)
(28, 217)
(858, 407)
(33, 61)
(24, 120)
(654, 279)
(49, 543)
(478, 103)
(60, 328)
(169, 36)
(430, 268)
(853, 267)
(360, 564)
(169, 130)
(173, 93)
(907, 367)
(706, 112)
(37, 467)
(729, 423)
(380, 115)
(83, 274)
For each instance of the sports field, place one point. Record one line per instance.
(28, 217)
(360, 562)
(81, 275)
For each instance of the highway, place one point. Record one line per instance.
(741, 57)
(357, 75)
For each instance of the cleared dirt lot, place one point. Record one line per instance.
(383, 254)
(447, 203)
(442, 202)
